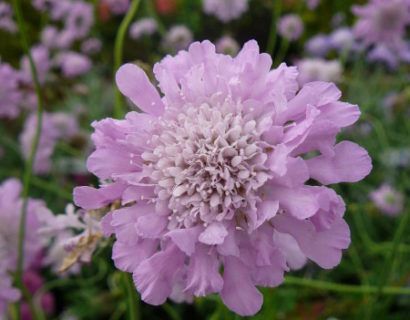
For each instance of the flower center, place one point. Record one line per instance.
(207, 163)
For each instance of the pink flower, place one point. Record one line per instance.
(42, 62)
(388, 200)
(317, 69)
(142, 27)
(382, 21)
(79, 19)
(6, 18)
(225, 10)
(8, 294)
(290, 27)
(10, 95)
(118, 6)
(91, 46)
(211, 174)
(177, 38)
(54, 126)
(73, 64)
(227, 45)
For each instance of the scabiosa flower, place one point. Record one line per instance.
(8, 294)
(312, 4)
(49, 36)
(80, 19)
(316, 69)
(6, 18)
(388, 200)
(10, 211)
(10, 95)
(342, 39)
(318, 46)
(212, 175)
(74, 237)
(54, 126)
(73, 64)
(382, 21)
(177, 38)
(225, 10)
(91, 46)
(143, 27)
(227, 45)
(117, 6)
(290, 27)
(42, 62)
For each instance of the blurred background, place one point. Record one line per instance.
(77, 45)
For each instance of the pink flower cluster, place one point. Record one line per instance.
(225, 10)
(214, 174)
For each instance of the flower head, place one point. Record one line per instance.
(382, 21)
(290, 27)
(177, 38)
(10, 95)
(225, 10)
(73, 64)
(212, 175)
(118, 6)
(318, 46)
(317, 69)
(10, 211)
(388, 200)
(142, 27)
(227, 45)
(6, 18)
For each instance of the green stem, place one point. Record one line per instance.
(345, 288)
(132, 297)
(30, 161)
(151, 11)
(276, 10)
(283, 49)
(118, 50)
(170, 311)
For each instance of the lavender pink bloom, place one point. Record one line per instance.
(381, 21)
(6, 18)
(10, 95)
(73, 64)
(79, 19)
(41, 58)
(91, 46)
(212, 174)
(143, 27)
(118, 6)
(317, 69)
(227, 45)
(290, 27)
(54, 126)
(318, 46)
(388, 200)
(225, 10)
(179, 37)
(10, 211)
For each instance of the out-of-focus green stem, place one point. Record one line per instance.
(30, 161)
(273, 34)
(118, 50)
(153, 14)
(283, 49)
(132, 297)
(345, 288)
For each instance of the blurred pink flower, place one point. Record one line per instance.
(10, 95)
(41, 58)
(143, 27)
(54, 126)
(225, 10)
(212, 174)
(6, 18)
(8, 294)
(318, 46)
(179, 37)
(381, 21)
(317, 69)
(290, 27)
(73, 64)
(91, 46)
(227, 45)
(79, 19)
(117, 6)
(388, 200)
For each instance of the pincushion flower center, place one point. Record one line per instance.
(206, 163)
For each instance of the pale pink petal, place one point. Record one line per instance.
(134, 83)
